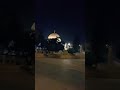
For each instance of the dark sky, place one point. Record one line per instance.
(103, 24)
(16, 16)
(93, 20)
(66, 17)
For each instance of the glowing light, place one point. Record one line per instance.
(65, 46)
(69, 44)
(59, 40)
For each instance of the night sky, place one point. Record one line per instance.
(98, 22)
(16, 17)
(103, 24)
(94, 21)
(66, 17)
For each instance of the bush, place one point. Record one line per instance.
(71, 51)
(39, 55)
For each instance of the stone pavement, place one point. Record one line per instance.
(56, 74)
(45, 83)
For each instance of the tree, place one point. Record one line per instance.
(38, 37)
(60, 47)
(29, 42)
(71, 50)
(53, 45)
(76, 43)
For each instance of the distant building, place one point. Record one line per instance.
(68, 46)
(54, 36)
(55, 43)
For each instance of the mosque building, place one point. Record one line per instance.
(55, 43)
(56, 36)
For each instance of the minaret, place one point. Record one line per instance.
(110, 57)
(54, 31)
(33, 27)
(81, 48)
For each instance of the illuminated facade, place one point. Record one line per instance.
(54, 36)
(54, 43)
(67, 46)
(57, 36)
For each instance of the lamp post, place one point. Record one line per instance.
(110, 57)
(80, 48)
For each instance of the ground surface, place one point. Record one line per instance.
(59, 74)
(12, 77)
(103, 78)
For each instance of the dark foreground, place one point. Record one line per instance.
(13, 77)
(103, 78)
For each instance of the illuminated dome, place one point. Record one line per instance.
(53, 36)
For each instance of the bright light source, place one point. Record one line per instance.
(59, 40)
(69, 44)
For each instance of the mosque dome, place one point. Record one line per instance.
(53, 35)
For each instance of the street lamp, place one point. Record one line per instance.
(69, 44)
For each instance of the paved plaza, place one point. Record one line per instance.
(59, 74)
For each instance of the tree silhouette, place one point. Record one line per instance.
(39, 37)
(53, 45)
(76, 43)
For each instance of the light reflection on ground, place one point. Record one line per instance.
(59, 74)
